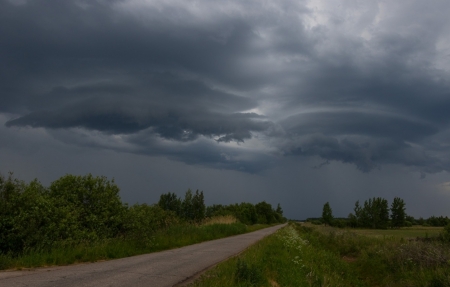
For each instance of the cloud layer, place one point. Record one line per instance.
(232, 84)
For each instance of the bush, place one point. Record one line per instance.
(90, 207)
(27, 216)
(143, 221)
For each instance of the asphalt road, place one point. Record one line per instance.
(166, 268)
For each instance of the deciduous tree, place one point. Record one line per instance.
(398, 213)
(327, 214)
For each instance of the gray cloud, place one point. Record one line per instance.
(364, 85)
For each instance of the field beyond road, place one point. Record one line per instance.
(416, 231)
(165, 268)
(316, 255)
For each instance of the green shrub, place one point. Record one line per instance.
(90, 206)
(143, 221)
(27, 216)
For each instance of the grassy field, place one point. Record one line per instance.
(172, 237)
(404, 232)
(302, 255)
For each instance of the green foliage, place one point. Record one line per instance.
(90, 207)
(198, 206)
(244, 212)
(445, 235)
(398, 214)
(437, 221)
(143, 221)
(83, 217)
(250, 274)
(170, 201)
(374, 214)
(248, 213)
(73, 208)
(27, 216)
(286, 258)
(193, 207)
(327, 214)
(266, 215)
(177, 235)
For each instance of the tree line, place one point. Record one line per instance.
(375, 213)
(87, 208)
(193, 208)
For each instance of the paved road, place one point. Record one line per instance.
(166, 268)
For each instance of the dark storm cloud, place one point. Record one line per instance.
(174, 108)
(185, 80)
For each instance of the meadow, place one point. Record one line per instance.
(404, 232)
(307, 255)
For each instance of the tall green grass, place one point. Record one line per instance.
(65, 253)
(285, 258)
(304, 256)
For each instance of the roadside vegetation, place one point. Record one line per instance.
(312, 255)
(82, 218)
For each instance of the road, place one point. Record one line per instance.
(166, 268)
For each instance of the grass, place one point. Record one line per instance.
(404, 232)
(172, 237)
(223, 219)
(302, 255)
(417, 231)
(283, 259)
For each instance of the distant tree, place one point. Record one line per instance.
(438, 221)
(420, 221)
(354, 219)
(246, 213)
(198, 206)
(375, 213)
(411, 219)
(170, 201)
(279, 210)
(266, 215)
(398, 214)
(327, 214)
(187, 210)
(216, 209)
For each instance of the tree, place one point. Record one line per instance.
(266, 215)
(279, 210)
(398, 214)
(187, 210)
(198, 206)
(375, 213)
(357, 218)
(327, 214)
(170, 201)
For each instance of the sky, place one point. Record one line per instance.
(291, 102)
